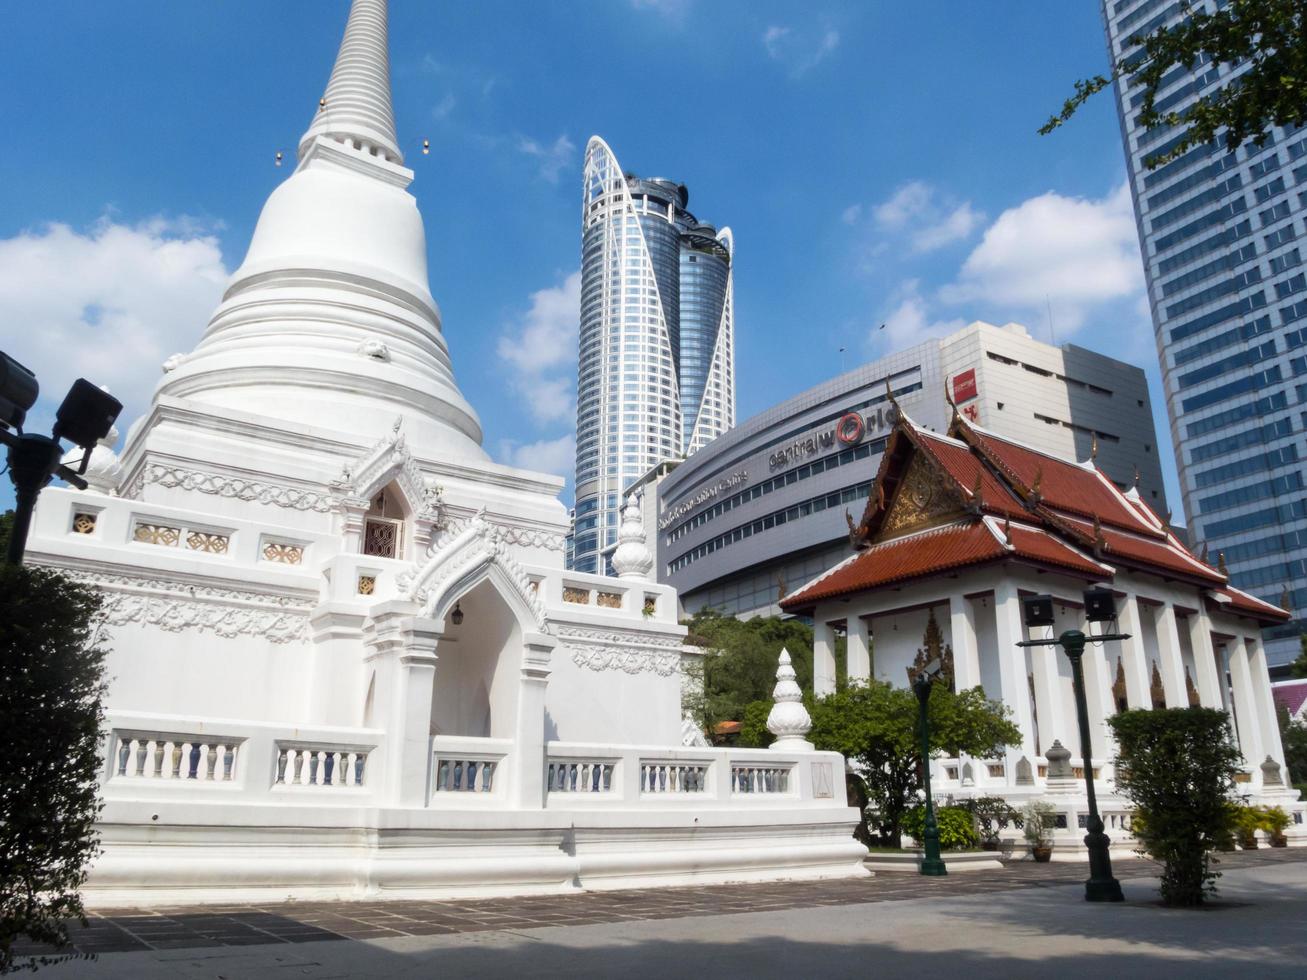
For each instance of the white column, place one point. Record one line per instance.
(1170, 661)
(1134, 657)
(966, 653)
(1098, 696)
(1012, 668)
(1207, 674)
(859, 650)
(402, 647)
(1245, 706)
(823, 658)
(528, 752)
(1261, 680)
(1048, 698)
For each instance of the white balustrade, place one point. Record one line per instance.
(465, 775)
(579, 776)
(673, 777)
(171, 756)
(759, 778)
(308, 765)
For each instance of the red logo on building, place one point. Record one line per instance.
(964, 386)
(850, 429)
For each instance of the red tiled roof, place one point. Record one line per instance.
(1290, 695)
(1168, 555)
(940, 549)
(1063, 485)
(963, 465)
(1250, 604)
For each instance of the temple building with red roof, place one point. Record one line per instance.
(959, 527)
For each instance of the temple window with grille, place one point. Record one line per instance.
(383, 527)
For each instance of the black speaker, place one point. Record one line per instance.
(1037, 610)
(1100, 605)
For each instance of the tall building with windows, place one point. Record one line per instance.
(656, 372)
(1223, 241)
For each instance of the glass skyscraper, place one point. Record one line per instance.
(1222, 236)
(656, 372)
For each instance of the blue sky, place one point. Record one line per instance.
(877, 162)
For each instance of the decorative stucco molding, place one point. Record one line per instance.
(389, 459)
(455, 557)
(177, 607)
(511, 534)
(252, 491)
(632, 653)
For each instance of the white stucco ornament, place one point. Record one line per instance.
(632, 559)
(789, 720)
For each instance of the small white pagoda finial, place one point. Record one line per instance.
(789, 720)
(632, 559)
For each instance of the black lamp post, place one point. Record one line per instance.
(932, 864)
(1100, 607)
(85, 417)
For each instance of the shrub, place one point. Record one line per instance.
(51, 687)
(956, 830)
(1275, 821)
(1177, 767)
(990, 814)
(1247, 821)
(754, 733)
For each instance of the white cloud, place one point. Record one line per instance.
(1070, 253)
(540, 348)
(672, 9)
(909, 321)
(799, 51)
(550, 159)
(851, 214)
(557, 456)
(930, 219)
(108, 304)
(444, 107)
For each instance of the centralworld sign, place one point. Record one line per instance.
(850, 430)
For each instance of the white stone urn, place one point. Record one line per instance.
(632, 559)
(788, 720)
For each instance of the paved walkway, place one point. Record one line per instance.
(1026, 920)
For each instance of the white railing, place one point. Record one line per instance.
(316, 765)
(579, 776)
(472, 766)
(162, 756)
(673, 777)
(170, 755)
(755, 778)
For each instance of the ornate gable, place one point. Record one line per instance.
(925, 497)
(387, 462)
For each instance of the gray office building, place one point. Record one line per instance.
(761, 509)
(1222, 246)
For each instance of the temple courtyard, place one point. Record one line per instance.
(1025, 920)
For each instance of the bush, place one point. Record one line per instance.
(754, 733)
(51, 687)
(989, 814)
(1177, 767)
(1038, 819)
(956, 829)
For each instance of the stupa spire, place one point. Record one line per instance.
(356, 105)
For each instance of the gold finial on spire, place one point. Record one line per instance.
(1007, 531)
(1220, 564)
(889, 393)
(1093, 446)
(1203, 554)
(1136, 476)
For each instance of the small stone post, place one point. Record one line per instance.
(632, 559)
(788, 720)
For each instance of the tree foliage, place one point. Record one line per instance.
(51, 689)
(1267, 35)
(754, 733)
(957, 830)
(740, 667)
(875, 725)
(1177, 767)
(1293, 736)
(6, 527)
(1299, 667)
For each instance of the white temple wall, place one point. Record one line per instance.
(477, 669)
(588, 703)
(896, 639)
(987, 645)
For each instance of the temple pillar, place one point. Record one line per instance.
(823, 658)
(859, 650)
(962, 633)
(1244, 697)
(1207, 676)
(402, 650)
(1134, 656)
(1269, 728)
(1099, 675)
(1170, 660)
(528, 768)
(1012, 667)
(1048, 697)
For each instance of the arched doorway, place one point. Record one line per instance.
(475, 690)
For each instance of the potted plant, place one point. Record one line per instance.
(1247, 821)
(1275, 821)
(1037, 824)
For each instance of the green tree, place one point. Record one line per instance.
(875, 725)
(1293, 736)
(1299, 667)
(51, 690)
(6, 526)
(1270, 36)
(754, 733)
(740, 666)
(1177, 767)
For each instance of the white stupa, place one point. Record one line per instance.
(346, 657)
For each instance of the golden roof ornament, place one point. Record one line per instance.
(1220, 564)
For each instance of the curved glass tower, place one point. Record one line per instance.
(656, 372)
